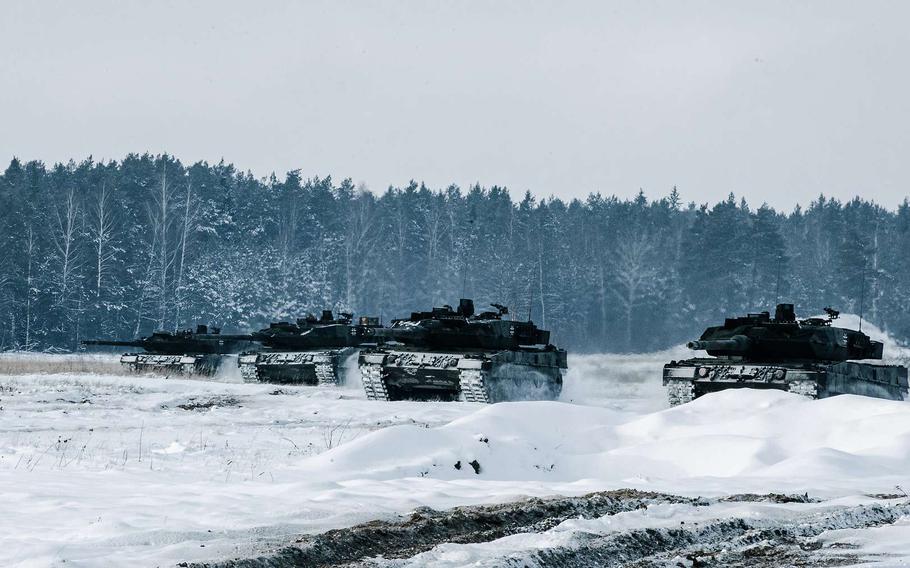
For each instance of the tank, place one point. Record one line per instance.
(810, 357)
(187, 352)
(455, 354)
(310, 351)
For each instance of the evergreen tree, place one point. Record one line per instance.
(119, 249)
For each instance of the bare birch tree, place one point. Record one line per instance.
(65, 234)
(161, 221)
(634, 275)
(145, 286)
(289, 219)
(102, 231)
(6, 301)
(30, 249)
(435, 227)
(540, 284)
(358, 241)
(190, 213)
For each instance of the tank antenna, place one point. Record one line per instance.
(862, 294)
(464, 264)
(777, 289)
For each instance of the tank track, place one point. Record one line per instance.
(181, 364)
(680, 392)
(326, 375)
(485, 377)
(808, 389)
(373, 385)
(324, 364)
(473, 386)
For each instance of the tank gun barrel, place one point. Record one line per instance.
(134, 343)
(737, 343)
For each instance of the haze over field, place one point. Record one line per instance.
(776, 101)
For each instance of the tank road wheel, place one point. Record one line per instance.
(325, 374)
(473, 385)
(556, 387)
(808, 389)
(248, 372)
(680, 392)
(373, 384)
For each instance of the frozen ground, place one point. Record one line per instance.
(108, 470)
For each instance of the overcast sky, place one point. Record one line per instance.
(776, 102)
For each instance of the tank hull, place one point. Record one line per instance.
(317, 367)
(691, 378)
(471, 376)
(205, 365)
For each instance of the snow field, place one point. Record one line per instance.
(102, 470)
(106, 470)
(263, 466)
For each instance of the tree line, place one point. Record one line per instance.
(120, 248)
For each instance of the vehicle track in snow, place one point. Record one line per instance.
(426, 528)
(736, 542)
(722, 542)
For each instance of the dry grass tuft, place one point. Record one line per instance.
(21, 363)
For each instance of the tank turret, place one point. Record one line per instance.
(445, 328)
(184, 342)
(810, 357)
(324, 332)
(758, 337)
(186, 351)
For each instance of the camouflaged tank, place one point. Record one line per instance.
(808, 357)
(185, 352)
(447, 354)
(309, 352)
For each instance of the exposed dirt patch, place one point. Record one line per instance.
(769, 498)
(209, 403)
(426, 528)
(886, 496)
(737, 542)
(732, 542)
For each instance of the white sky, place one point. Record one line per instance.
(776, 101)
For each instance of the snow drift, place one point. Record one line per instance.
(751, 437)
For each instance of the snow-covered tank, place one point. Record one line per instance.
(808, 357)
(448, 354)
(308, 352)
(186, 351)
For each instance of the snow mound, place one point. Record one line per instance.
(767, 435)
